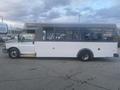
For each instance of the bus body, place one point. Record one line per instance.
(84, 41)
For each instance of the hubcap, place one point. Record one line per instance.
(85, 57)
(13, 53)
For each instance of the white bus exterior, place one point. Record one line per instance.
(83, 41)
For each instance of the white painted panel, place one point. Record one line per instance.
(26, 47)
(70, 49)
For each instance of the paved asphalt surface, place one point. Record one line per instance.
(59, 74)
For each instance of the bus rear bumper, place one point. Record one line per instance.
(116, 55)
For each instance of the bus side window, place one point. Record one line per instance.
(97, 36)
(26, 37)
(94, 36)
(76, 36)
(60, 35)
(50, 35)
(108, 36)
(87, 36)
(69, 34)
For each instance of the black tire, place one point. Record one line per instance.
(13, 53)
(85, 55)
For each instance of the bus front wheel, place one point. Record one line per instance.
(13, 53)
(85, 55)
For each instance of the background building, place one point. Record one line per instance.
(3, 29)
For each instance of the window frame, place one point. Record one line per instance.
(78, 29)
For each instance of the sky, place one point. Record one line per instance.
(67, 11)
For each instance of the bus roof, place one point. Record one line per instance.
(37, 25)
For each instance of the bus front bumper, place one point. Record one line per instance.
(4, 50)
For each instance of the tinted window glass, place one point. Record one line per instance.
(108, 35)
(60, 35)
(69, 35)
(76, 35)
(48, 33)
(63, 34)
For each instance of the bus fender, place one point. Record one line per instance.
(85, 49)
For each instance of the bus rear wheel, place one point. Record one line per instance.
(85, 55)
(13, 53)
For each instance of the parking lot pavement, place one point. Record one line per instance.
(59, 74)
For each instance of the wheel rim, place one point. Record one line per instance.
(85, 57)
(13, 53)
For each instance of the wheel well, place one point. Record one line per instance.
(12, 48)
(85, 49)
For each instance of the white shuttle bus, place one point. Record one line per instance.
(83, 41)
